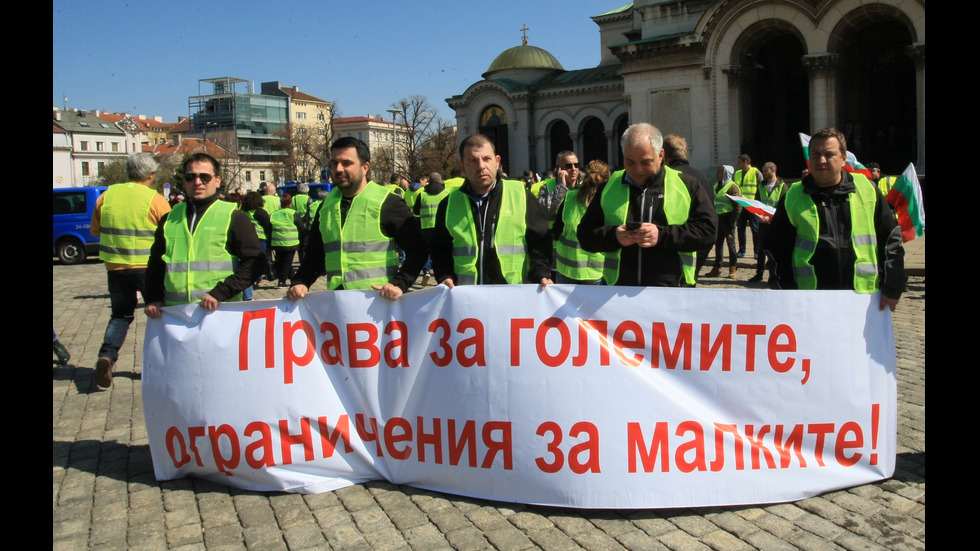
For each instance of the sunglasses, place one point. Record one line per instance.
(190, 177)
(571, 165)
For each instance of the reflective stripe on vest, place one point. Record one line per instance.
(803, 215)
(259, 230)
(357, 255)
(199, 261)
(428, 205)
(127, 233)
(572, 261)
(749, 184)
(771, 200)
(284, 230)
(724, 204)
(509, 237)
(677, 206)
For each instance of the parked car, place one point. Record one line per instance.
(290, 188)
(72, 240)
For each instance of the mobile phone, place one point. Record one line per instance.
(632, 225)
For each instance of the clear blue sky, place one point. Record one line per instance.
(147, 57)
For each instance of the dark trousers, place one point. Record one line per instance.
(726, 229)
(747, 218)
(123, 286)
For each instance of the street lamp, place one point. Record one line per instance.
(393, 113)
(206, 125)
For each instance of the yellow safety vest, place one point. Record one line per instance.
(749, 184)
(284, 230)
(127, 233)
(358, 254)
(572, 261)
(803, 215)
(428, 205)
(198, 261)
(510, 235)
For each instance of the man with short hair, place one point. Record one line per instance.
(271, 199)
(425, 210)
(490, 230)
(355, 234)
(747, 178)
(125, 218)
(649, 218)
(834, 230)
(770, 190)
(675, 156)
(551, 191)
(204, 250)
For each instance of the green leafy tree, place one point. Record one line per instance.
(113, 173)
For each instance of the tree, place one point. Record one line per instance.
(305, 147)
(419, 119)
(113, 173)
(439, 152)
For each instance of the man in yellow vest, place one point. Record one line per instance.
(426, 205)
(490, 230)
(747, 178)
(650, 219)
(355, 235)
(834, 230)
(770, 190)
(125, 218)
(185, 264)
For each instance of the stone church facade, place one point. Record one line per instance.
(731, 76)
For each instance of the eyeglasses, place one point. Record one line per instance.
(190, 177)
(571, 165)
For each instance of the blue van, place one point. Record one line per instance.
(72, 240)
(290, 188)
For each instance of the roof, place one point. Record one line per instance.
(524, 57)
(144, 124)
(86, 122)
(187, 146)
(563, 79)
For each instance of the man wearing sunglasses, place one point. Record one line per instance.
(205, 250)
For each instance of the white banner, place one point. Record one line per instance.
(579, 396)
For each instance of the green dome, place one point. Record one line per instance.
(524, 57)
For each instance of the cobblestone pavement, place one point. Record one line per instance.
(106, 497)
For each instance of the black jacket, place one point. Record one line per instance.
(833, 259)
(537, 235)
(660, 265)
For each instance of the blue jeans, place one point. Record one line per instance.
(123, 285)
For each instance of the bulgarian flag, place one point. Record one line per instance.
(753, 206)
(905, 197)
(851, 165)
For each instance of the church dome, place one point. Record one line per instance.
(523, 59)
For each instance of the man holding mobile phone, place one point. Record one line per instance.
(650, 218)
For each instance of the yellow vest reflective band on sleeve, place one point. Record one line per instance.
(284, 230)
(428, 205)
(259, 230)
(803, 215)
(199, 261)
(722, 203)
(677, 206)
(127, 233)
(509, 237)
(572, 261)
(357, 255)
(748, 185)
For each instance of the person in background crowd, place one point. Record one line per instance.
(770, 190)
(727, 211)
(747, 178)
(425, 210)
(252, 206)
(834, 230)
(124, 219)
(575, 265)
(287, 225)
(675, 156)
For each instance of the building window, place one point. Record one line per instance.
(99, 168)
(261, 175)
(115, 146)
(84, 168)
(300, 131)
(100, 146)
(320, 117)
(300, 115)
(360, 136)
(84, 146)
(248, 175)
